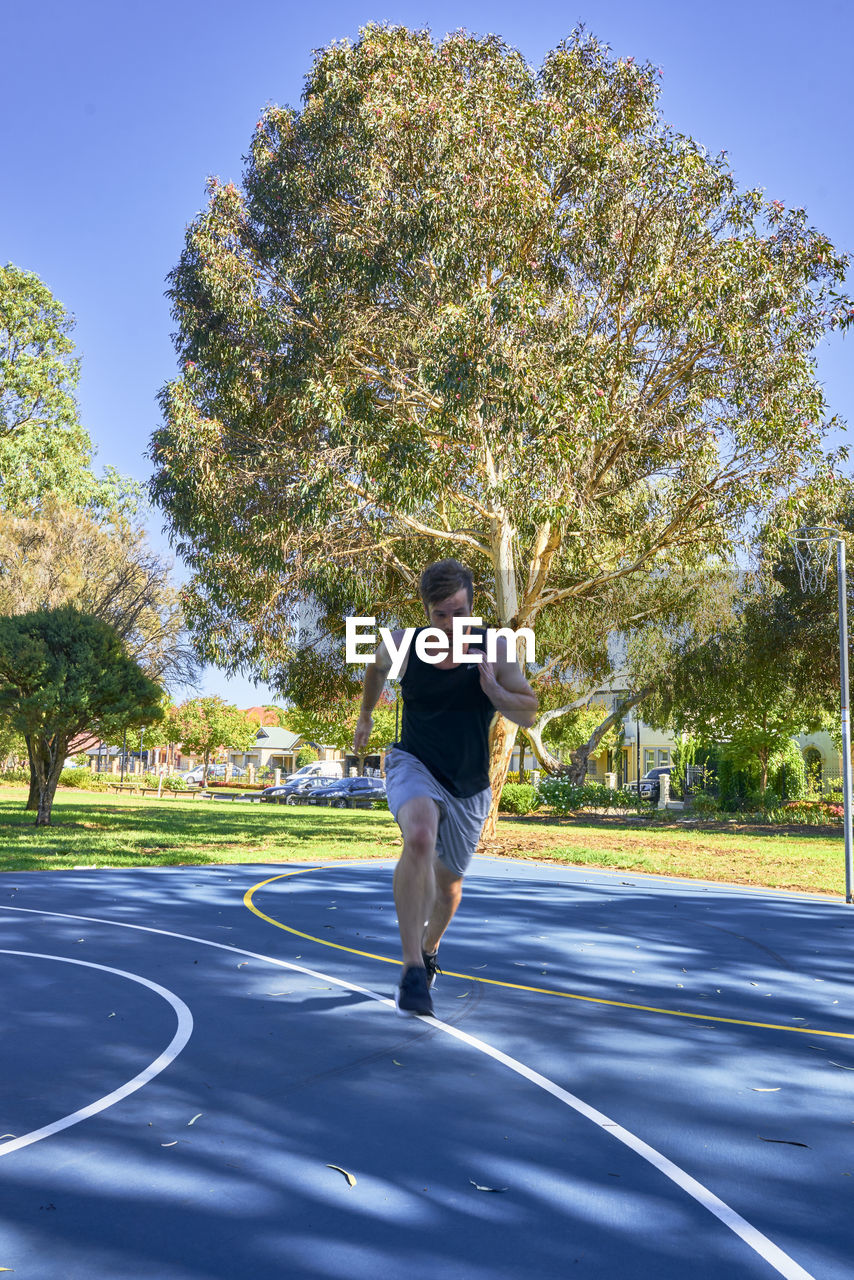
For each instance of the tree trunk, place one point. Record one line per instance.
(33, 798)
(544, 757)
(501, 741)
(47, 757)
(763, 770)
(503, 732)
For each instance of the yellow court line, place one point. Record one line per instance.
(516, 986)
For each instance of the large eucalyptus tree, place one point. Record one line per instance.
(460, 306)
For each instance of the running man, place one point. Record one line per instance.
(437, 775)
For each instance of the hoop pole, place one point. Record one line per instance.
(846, 727)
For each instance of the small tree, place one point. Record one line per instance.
(63, 672)
(335, 724)
(746, 688)
(210, 725)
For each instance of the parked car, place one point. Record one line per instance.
(318, 769)
(351, 793)
(216, 773)
(650, 787)
(295, 790)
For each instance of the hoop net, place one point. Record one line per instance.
(813, 549)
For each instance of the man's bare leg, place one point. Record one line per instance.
(449, 891)
(415, 888)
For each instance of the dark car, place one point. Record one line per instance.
(351, 793)
(312, 787)
(650, 787)
(296, 790)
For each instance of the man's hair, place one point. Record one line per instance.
(443, 579)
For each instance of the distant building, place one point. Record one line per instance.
(274, 748)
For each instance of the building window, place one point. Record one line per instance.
(648, 759)
(663, 757)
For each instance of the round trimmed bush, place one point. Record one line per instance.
(518, 797)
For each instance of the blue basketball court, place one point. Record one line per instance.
(204, 1077)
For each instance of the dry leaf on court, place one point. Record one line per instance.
(170, 1144)
(195, 1118)
(351, 1181)
(840, 1064)
(478, 1187)
(783, 1142)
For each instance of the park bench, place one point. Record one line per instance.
(130, 789)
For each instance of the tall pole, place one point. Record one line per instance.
(124, 752)
(846, 726)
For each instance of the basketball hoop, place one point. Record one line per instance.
(814, 547)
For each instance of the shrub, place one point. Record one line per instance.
(518, 797)
(788, 773)
(564, 796)
(84, 779)
(704, 805)
(810, 812)
(15, 777)
(306, 755)
(175, 783)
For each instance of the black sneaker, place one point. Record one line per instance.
(431, 964)
(413, 994)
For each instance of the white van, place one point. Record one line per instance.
(318, 769)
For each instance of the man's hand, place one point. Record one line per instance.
(364, 729)
(489, 682)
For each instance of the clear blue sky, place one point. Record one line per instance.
(113, 115)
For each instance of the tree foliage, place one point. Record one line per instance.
(207, 726)
(63, 672)
(749, 688)
(464, 307)
(64, 555)
(45, 452)
(334, 724)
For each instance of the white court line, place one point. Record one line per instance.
(169, 1054)
(750, 1235)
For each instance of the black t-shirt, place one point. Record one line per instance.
(446, 719)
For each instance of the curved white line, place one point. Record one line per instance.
(750, 1235)
(169, 1054)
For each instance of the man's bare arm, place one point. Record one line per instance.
(376, 674)
(505, 685)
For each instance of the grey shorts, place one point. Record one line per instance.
(460, 820)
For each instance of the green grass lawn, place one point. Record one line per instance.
(98, 829)
(95, 829)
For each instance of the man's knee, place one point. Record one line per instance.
(419, 839)
(419, 824)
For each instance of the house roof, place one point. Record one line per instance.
(272, 737)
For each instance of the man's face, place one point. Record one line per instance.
(443, 612)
